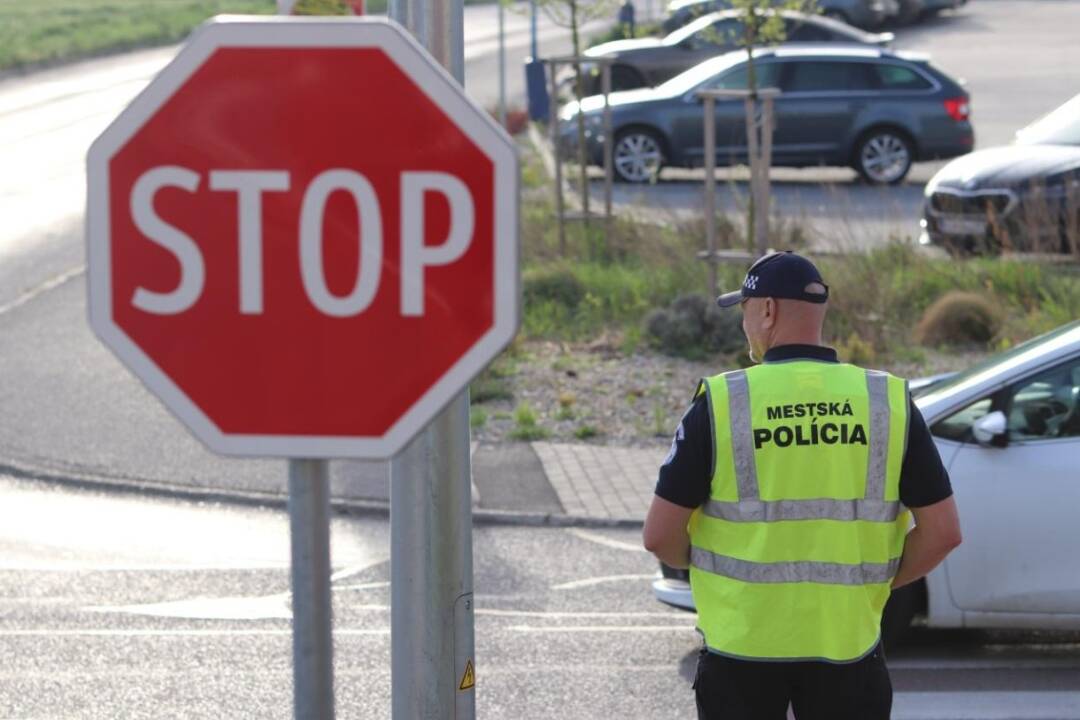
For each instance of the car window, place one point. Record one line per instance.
(801, 31)
(735, 79)
(722, 34)
(826, 76)
(958, 425)
(898, 77)
(1047, 406)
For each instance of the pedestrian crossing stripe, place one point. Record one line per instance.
(468, 680)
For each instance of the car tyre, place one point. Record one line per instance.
(638, 155)
(900, 610)
(883, 156)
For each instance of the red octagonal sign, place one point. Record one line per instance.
(303, 237)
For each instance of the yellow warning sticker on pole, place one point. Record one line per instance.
(468, 680)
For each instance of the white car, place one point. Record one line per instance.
(1008, 431)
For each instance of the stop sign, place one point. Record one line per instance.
(302, 237)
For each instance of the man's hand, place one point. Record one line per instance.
(936, 533)
(665, 534)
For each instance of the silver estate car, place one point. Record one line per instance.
(867, 108)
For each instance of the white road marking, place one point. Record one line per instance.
(599, 628)
(493, 612)
(356, 569)
(983, 705)
(43, 288)
(226, 608)
(605, 541)
(588, 582)
(179, 632)
(364, 586)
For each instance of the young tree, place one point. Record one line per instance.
(763, 25)
(573, 14)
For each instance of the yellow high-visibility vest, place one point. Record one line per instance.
(793, 553)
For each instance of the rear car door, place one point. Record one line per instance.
(816, 111)
(730, 116)
(1018, 503)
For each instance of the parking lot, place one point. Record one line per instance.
(1018, 60)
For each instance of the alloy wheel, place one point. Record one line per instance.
(637, 157)
(884, 158)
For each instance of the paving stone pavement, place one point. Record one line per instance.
(601, 482)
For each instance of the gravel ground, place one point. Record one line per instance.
(598, 394)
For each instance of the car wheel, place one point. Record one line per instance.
(625, 77)
(883, 156)
(638, 155)
(899, 612)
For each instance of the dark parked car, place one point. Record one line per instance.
(1024, 196)
(647, 62)
(860, 13)
(874, 110)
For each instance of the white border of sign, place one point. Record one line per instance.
(291, 32)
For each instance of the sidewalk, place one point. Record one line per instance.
(72, 414)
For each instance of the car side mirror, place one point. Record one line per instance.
(990, 429)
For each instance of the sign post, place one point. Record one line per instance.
(303, 278)
(313, 647)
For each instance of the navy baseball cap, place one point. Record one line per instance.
(778, 275)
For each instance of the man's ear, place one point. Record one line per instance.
(769, 310)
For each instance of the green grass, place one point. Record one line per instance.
(37, 32)
(526, 425)
(43, 31)
(609, 287)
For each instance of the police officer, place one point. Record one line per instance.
(789, 492)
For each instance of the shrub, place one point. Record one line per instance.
(584, 432)
(856, 350)
(553, 285)
(959, 318)
(694, 327)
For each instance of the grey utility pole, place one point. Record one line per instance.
(431, 586)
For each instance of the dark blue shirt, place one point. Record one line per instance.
(686, 474)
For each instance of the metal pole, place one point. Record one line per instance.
(431, 578)
(309, 526)
(502, 63)
(710, 191)
(752, 150)
(431, 591)
(608, 145)
(534, 46)
(764, 163)
(553, 105)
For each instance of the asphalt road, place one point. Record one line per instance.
(117, 607)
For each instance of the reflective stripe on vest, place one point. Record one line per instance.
(791, 572)
(749, 508)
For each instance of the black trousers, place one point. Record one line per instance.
(729, 689)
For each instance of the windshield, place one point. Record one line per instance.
(1058, 127)
(995, 363)
(687, 30)
(698, 74)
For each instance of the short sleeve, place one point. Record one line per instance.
(686, 474)
(923, 478)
